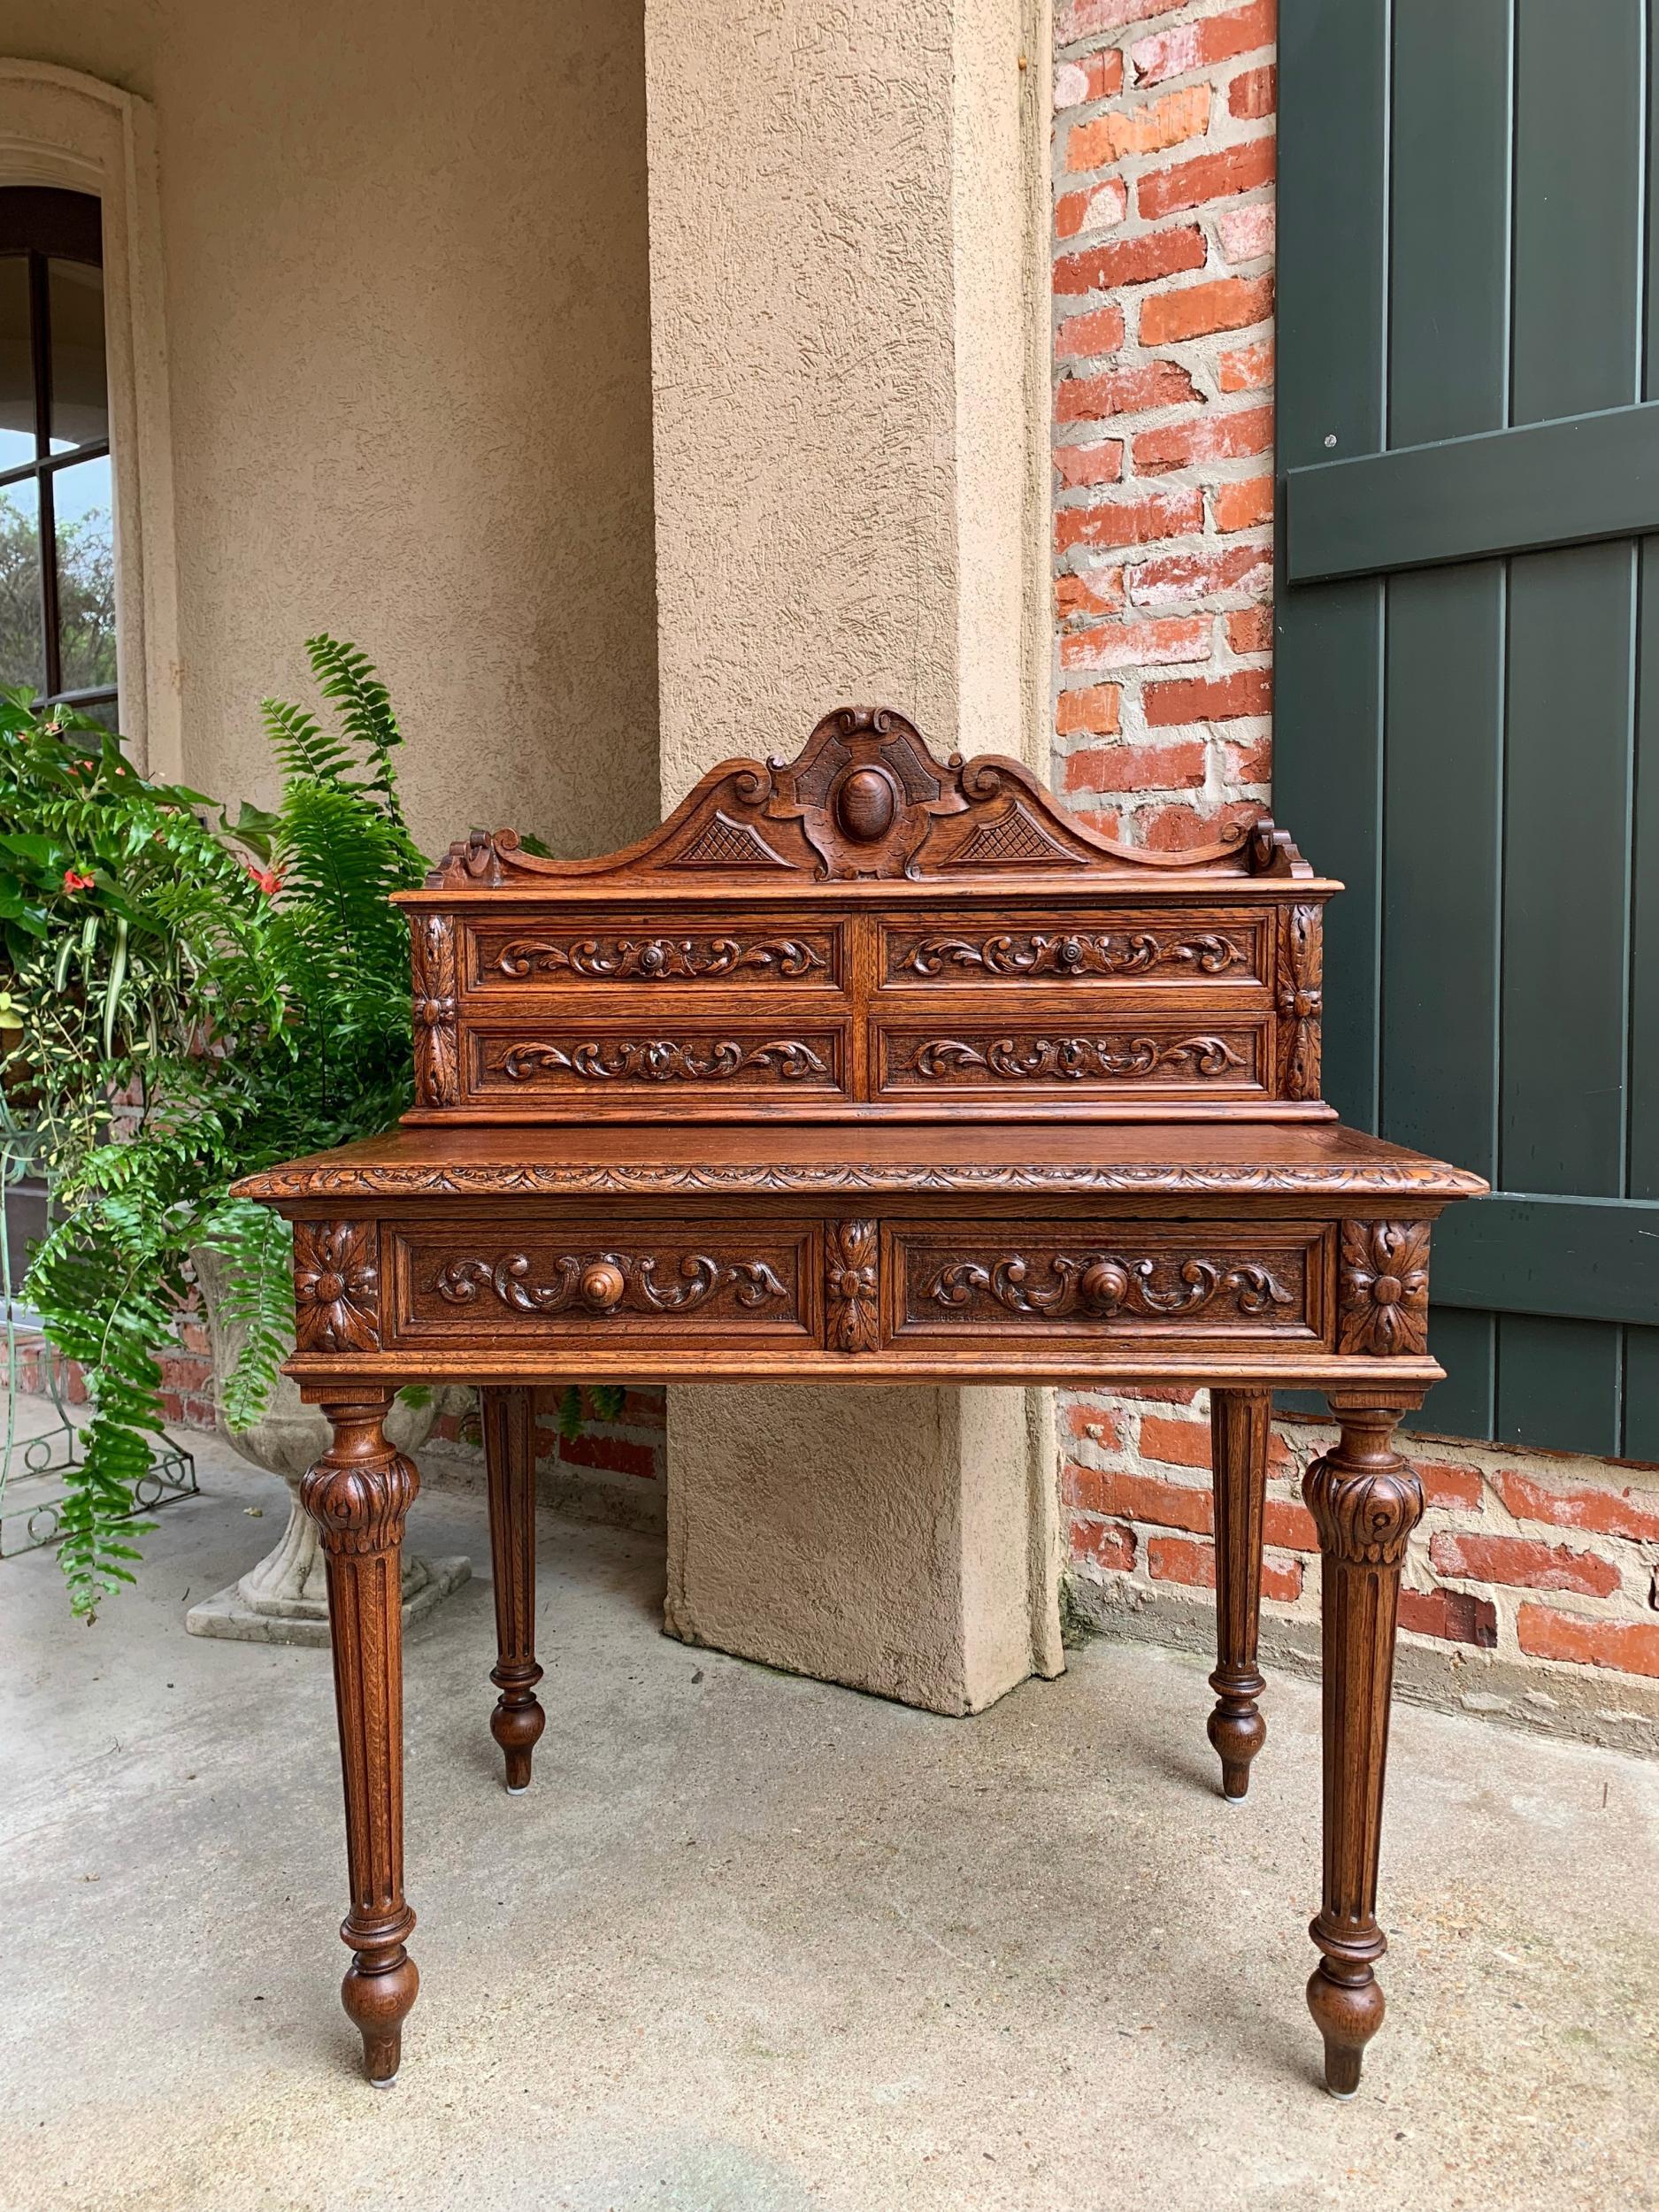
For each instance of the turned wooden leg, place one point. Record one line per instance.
(510, 1454)
(1365, 1502)
(359, 1495)
(1239, 1423)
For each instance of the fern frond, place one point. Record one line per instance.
(302, 747)
(349, 679)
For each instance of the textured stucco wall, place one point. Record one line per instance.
(407, 320)
(849, 299)
(843, 417)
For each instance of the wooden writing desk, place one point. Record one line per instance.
(872, 1069)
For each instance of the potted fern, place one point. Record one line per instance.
(193, 998)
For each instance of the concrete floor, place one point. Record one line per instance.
(755, 1944)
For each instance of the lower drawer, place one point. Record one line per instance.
(577, 1282)
(973, 1283)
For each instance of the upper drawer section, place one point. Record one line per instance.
(864, 930)
(964, 950)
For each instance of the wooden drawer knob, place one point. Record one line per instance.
(602, 1284)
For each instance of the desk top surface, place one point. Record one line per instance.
(1317, 1159)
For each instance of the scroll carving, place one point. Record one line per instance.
(658, 959)
(1074, 1059)
(853, 1286)
(607, 1282)
(663, 1060)
(1107, 1286)
(1115, 953)
(337, 1286)
(436, 1011)
(1383, 1289)
(1300, 999)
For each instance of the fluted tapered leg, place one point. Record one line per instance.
(358, 1494)
(510, 1454)
(1365, 1502)
(1238, 1425)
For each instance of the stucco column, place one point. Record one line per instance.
(848, 231)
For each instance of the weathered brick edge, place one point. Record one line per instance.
(1163, 417)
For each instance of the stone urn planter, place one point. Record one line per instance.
(283, 1598)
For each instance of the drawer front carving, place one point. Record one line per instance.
(564, 958)
(961, 952)
(1070, 1059)
(591, 1283)
(1186, 1279)
(531, 1059)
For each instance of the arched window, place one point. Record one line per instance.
(57, 522)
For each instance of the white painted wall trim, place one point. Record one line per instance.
(58, 128)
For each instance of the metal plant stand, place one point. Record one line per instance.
(32, 1468)
(32, 1491)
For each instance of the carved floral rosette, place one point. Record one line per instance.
(852, 1286)
(1384, 1288)
(337, 1286)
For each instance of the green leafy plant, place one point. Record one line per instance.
(187, 999)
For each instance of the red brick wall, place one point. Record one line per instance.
(1163, 136)
(1163, 426)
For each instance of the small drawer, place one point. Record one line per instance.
(1088, 951)
(771, 1063)
(583, 1282)
(557, 957)
(972, 1284)
(1069, 1057)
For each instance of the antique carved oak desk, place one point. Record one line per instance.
(870, 1069)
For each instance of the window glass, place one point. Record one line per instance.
(86, 575)
(17, 373)
(22, 660)
(57, 511)
(80, 399)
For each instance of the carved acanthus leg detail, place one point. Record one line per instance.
(358, 1494)
(510, 1453)
(1365, 1502)
(1239, 1423)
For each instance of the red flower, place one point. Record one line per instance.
(268, 879)
(74, 880)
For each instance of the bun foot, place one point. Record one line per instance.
(517, 1728)
(1237, 1732)
(378, 1999)
(1347, 2013)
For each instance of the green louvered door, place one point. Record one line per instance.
(1468, 656)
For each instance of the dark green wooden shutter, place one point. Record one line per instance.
(1467, 714)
